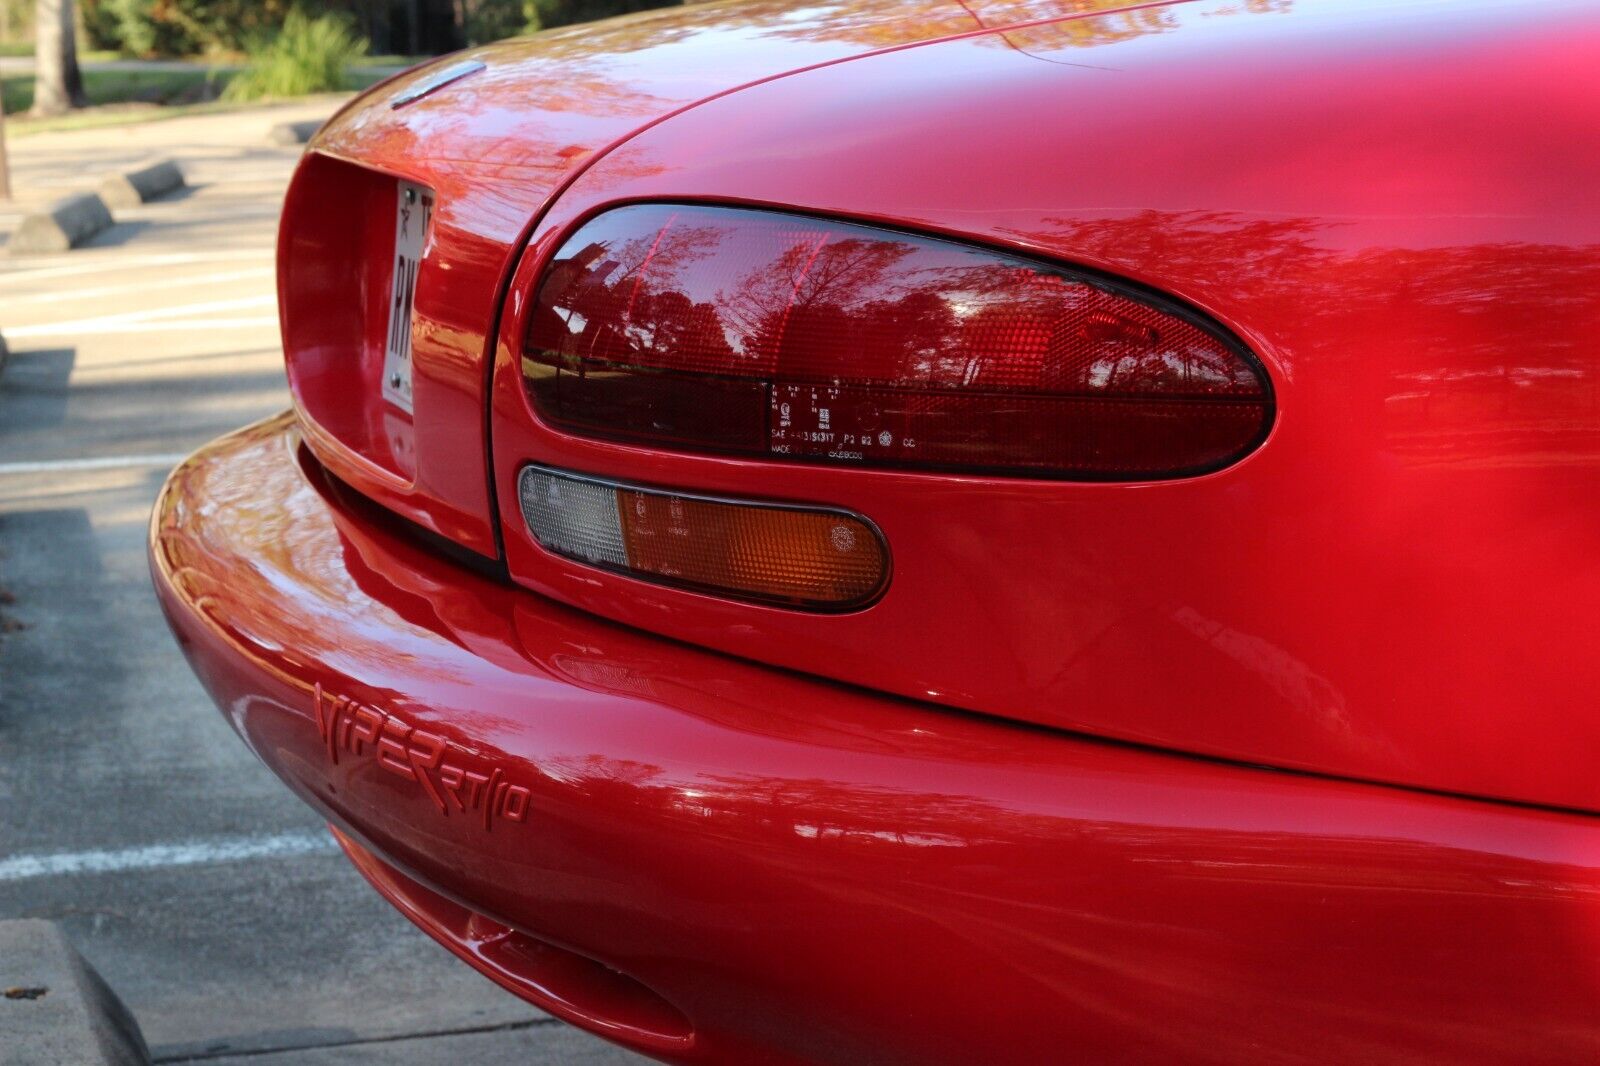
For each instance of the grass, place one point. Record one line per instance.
(99, 117)
(124, 86)
(131, 113)
(24, 50)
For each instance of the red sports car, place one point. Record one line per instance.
(914, 531)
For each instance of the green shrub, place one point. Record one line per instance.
(136, 31)
(101, 30)
(221, 29)
(492, 20)
(308, 55)
(179, 27)
(567, 12)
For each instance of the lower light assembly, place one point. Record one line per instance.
(809, 558)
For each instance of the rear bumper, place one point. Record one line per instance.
(790, 871)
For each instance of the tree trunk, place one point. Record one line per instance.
(58, 84)
(5, 165)
(75, 89)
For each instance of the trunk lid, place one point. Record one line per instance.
(492, 147)
(1401, 584)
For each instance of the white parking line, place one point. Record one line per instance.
(110, 462)
(157, 319)
(182, 325)
(235, 303)
(159, 856)
(126, 262)
(188, 281)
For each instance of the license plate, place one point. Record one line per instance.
(413, 212)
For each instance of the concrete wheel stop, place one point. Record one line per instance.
(54, 1009)
(134, 187)
(63, 225)
(293, 132)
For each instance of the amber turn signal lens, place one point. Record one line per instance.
(803, 557)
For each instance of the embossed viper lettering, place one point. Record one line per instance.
(444, 771)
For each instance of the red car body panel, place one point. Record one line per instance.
(1394, 207)
(493, 147)
(721, 862)
(1199, 769)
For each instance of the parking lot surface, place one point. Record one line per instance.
(211, 900)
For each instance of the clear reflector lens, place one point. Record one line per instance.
(768, 553)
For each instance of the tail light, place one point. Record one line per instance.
(805, 557)
(760, 333)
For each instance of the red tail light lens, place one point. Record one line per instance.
(762, 333)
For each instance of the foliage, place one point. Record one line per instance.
(101, 27)
(566, 12)
(308, 55)
(180, 27)
(490, 20)
(16, 26)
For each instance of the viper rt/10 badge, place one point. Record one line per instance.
(458, 781)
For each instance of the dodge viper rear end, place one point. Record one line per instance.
(925, 532)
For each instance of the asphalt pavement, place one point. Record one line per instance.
(212, 901)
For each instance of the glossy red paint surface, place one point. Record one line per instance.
(1393, 204)
(493, 147)
(563, 982)
(718, 860)
(801, 872)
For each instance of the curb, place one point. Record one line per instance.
(66, 224)
(134, 187)
(290, 133)
(54, 1008)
